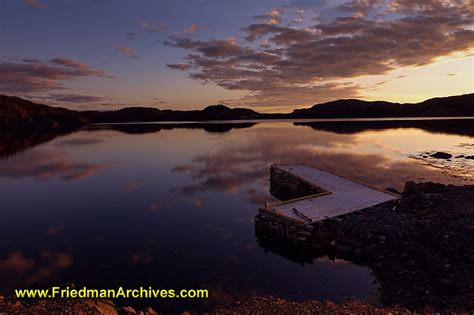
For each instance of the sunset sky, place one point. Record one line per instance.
(270, 55)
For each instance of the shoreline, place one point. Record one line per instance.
(256, 305)
(419, 248)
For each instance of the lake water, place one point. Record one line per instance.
(173, 206)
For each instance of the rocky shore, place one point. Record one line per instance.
(258, 305)
(458, 162)
(270, 305)
(75, 307)
(420, 248)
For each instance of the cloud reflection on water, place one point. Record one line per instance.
(18, 270)
(240, 164)
(45, 164)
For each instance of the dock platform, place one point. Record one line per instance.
(336, 195)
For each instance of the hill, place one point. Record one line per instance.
(461, 105)
(17, 113)
(147, 114)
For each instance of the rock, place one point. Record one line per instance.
(16, 305)
(126, 310)
(150, 311)
(104, 307)
(441, 155)
(412, 188)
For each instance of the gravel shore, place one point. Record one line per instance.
(420, 248)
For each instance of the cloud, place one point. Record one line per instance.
(306, 4)
(212, 48)
(275, 95)
(281, 63)
(35, 4)
(255, 31)
(272, 17)
(178, 66)
(78, 98)
(182, 168)
(193, 28)
(359, 7)
(297, 17)
(70, 63)
(159, 100)
(32, 75)
(146, 25)
(126, 51)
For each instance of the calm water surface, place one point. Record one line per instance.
(173, 206)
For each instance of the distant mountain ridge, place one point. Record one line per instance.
(147, 114)
(17, 113)
(461, 105)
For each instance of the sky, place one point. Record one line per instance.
(268, 55)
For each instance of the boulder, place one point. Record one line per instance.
(127, 310)
(412, 188)
(150, 311)
(441, 155)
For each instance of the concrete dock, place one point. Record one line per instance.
(331, 195)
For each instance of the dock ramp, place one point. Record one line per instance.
(337, 195)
